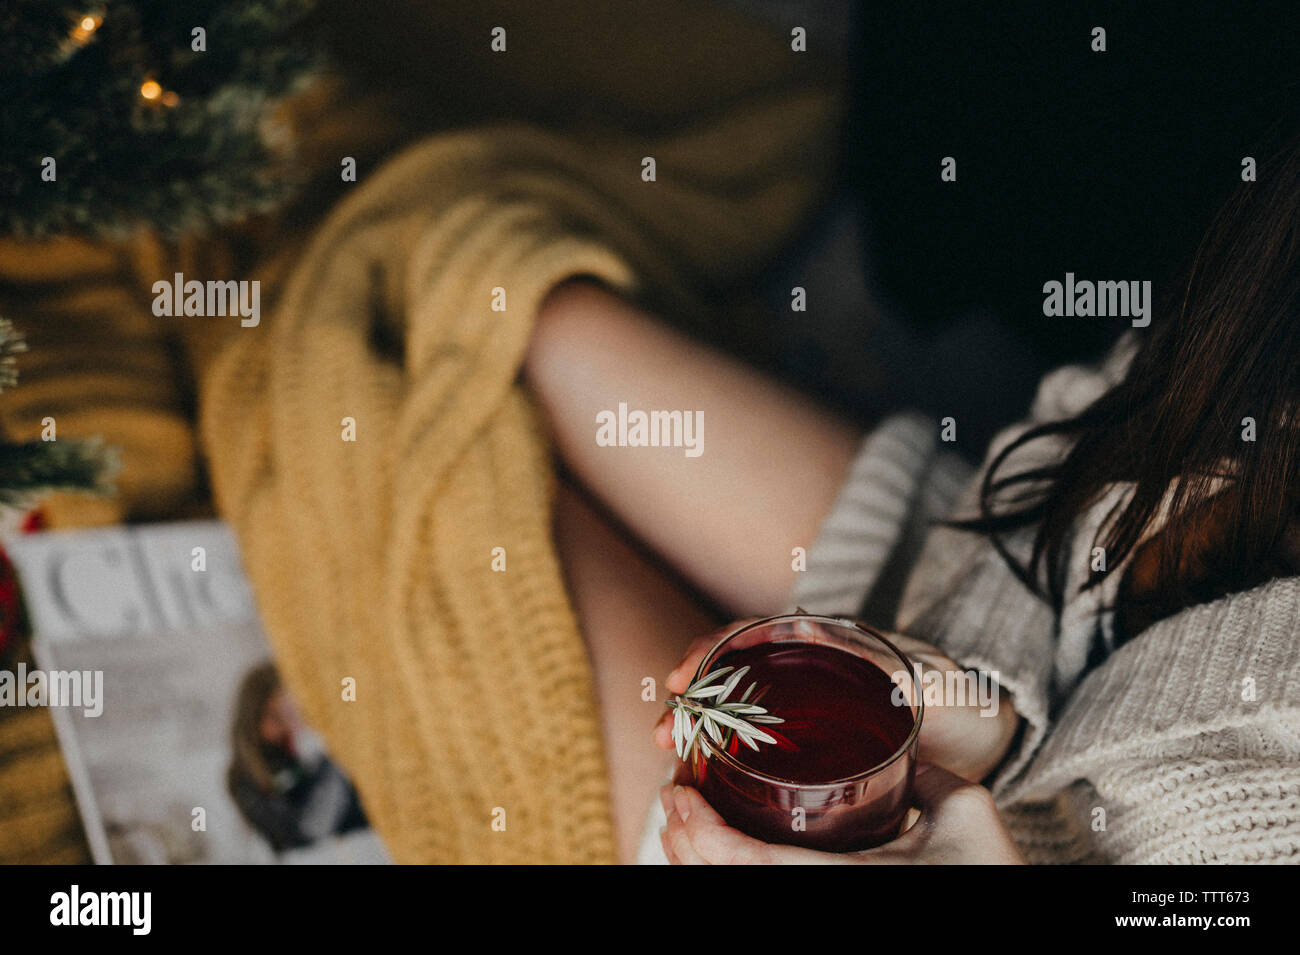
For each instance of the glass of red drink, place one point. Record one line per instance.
(839, 775)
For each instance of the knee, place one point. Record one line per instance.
(571, 322)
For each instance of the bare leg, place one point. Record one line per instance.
(772, 460)
(726, 520)
(637, 620)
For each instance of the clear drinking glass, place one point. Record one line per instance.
(840, 776)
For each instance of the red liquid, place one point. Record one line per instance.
(843, 717)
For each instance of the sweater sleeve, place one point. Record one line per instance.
(1188, 740)
(897, 479)
(326, 803)
(1223, 797)
(962, 596)
(879, 557)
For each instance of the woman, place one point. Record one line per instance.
(284, 785)
(1124, 565)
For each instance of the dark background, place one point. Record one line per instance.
(1109, 165)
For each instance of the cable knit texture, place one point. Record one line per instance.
(373, 559)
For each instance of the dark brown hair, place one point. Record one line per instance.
(1223, 346)
(248, 754)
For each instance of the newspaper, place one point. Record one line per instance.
(144, 636)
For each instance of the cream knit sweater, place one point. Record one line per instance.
(1182, 746)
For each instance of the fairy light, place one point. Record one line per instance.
(152, 92)
(83, 31)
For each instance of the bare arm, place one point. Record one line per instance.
(771, 462)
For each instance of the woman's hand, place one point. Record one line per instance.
(958, 825)
(962, 739)
(968, 739)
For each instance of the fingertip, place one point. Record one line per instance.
(662, 736)
(682, 802)
(666, 797)
(667, 847)
(697, 805)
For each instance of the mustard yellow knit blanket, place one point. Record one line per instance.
(373, 450)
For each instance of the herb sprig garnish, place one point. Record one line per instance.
(704, 707)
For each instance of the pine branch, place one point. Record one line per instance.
(11, 346)
(201, 158)
(31, 468)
